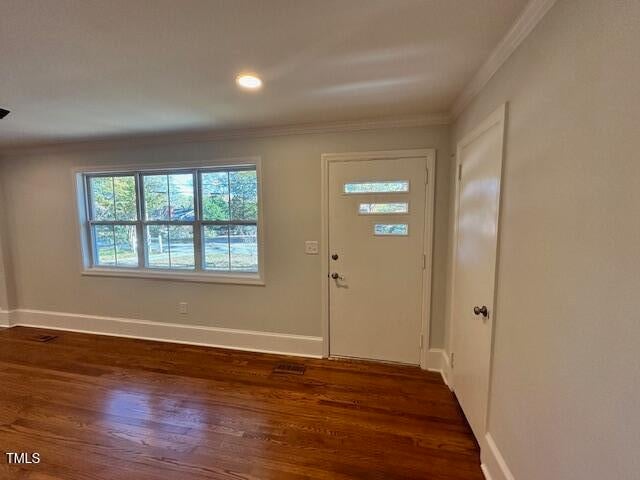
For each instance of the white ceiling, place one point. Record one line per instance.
(79, 69)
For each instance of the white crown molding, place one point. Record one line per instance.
(523, 26)
(265, 342)
(423, 120)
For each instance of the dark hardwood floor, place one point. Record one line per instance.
(97, 407)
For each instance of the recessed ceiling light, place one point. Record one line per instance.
(250, 82)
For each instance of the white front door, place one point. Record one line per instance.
(376, 257)
(478, 200)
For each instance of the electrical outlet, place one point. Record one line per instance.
(183, 308)
(311, 247)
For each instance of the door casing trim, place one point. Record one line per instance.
(326, 160)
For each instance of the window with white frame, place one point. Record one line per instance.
(198, 220)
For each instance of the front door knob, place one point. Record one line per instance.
(481, 311)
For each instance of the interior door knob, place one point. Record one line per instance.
(481, 311)
(337, 276)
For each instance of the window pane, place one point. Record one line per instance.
(383, 208)
(102, 205)
(156, 197)
(126, 245)
(216, 247)
(169, 197)
(157, 246)
(181, 251)
(243, 200)
(105, 252)
(113, 198)
(215, 196)
(243, 244)
(181, 197)
(398, 229)
(125, 198)
(170, 246)
(401, 186)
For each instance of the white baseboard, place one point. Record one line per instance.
(266, 342)
(446, 369)
(493, 465)
(485, 472)
(434, 359)
(5, 318)
(438, 361)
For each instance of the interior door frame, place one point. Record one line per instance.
(498, 117)
(326, 160)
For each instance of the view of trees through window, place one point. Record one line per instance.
(171, 227)
(400, 186)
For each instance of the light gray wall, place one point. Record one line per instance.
(566, 369)
(6, 276)
(44, 242)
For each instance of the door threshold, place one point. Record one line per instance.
(344, 358)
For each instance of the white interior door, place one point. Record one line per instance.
(478, 200)
(376, 257)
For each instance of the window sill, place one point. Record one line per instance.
(199, 277)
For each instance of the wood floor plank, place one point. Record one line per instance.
(98, 407)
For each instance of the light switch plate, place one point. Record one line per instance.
(311, 247)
